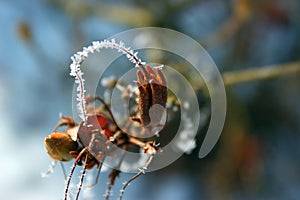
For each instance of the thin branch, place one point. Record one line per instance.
(137, 142)
(80, 56)
(108, 191)
(49, 170)
(122, 14)
(107, 109)
(72, 171)
(82, 177)
(141, 171)
(97, 177)
(114, 174)
(267, 72)
(63, 170)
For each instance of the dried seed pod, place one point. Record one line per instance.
(144, 98)
(59, 145)
(152, 91)
(158, 87)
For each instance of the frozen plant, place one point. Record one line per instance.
(96, 137)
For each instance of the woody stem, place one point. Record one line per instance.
(72, 171)
(137, 142)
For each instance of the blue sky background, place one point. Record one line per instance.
(35, 87)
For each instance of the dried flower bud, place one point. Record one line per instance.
(59, 145)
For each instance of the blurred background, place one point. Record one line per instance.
(257, 156)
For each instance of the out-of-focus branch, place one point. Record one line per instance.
(241, 14)
(267, 72)
(121, 13)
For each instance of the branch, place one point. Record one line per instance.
(122, 14)
(141, 171)
(261, 73)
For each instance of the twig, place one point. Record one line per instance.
(107, 109)
(267, 72)
(82, 177)
(114, 174)
(123, 14)
(137, 142)
(63, 170)
(72, 171)
(97, 177)
(80, 56)
(49, 170)
(141, 171)
(241, 15)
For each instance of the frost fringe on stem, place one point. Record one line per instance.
(141, 171)
(114, 174)
(80, 56)
(72, 171)
(81, 178)
(49, 170)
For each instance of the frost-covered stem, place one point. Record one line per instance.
(81, 94)
(97, 177)
(80, 56)
(137, 142)
(108, 191)
(49, 170)
(132, 56)
(81, 178)
(115, 175)
(72, 171)
(141, 171)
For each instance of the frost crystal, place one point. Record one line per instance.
(80, 56)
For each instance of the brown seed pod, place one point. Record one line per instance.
(59, 145)
(152, 90)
